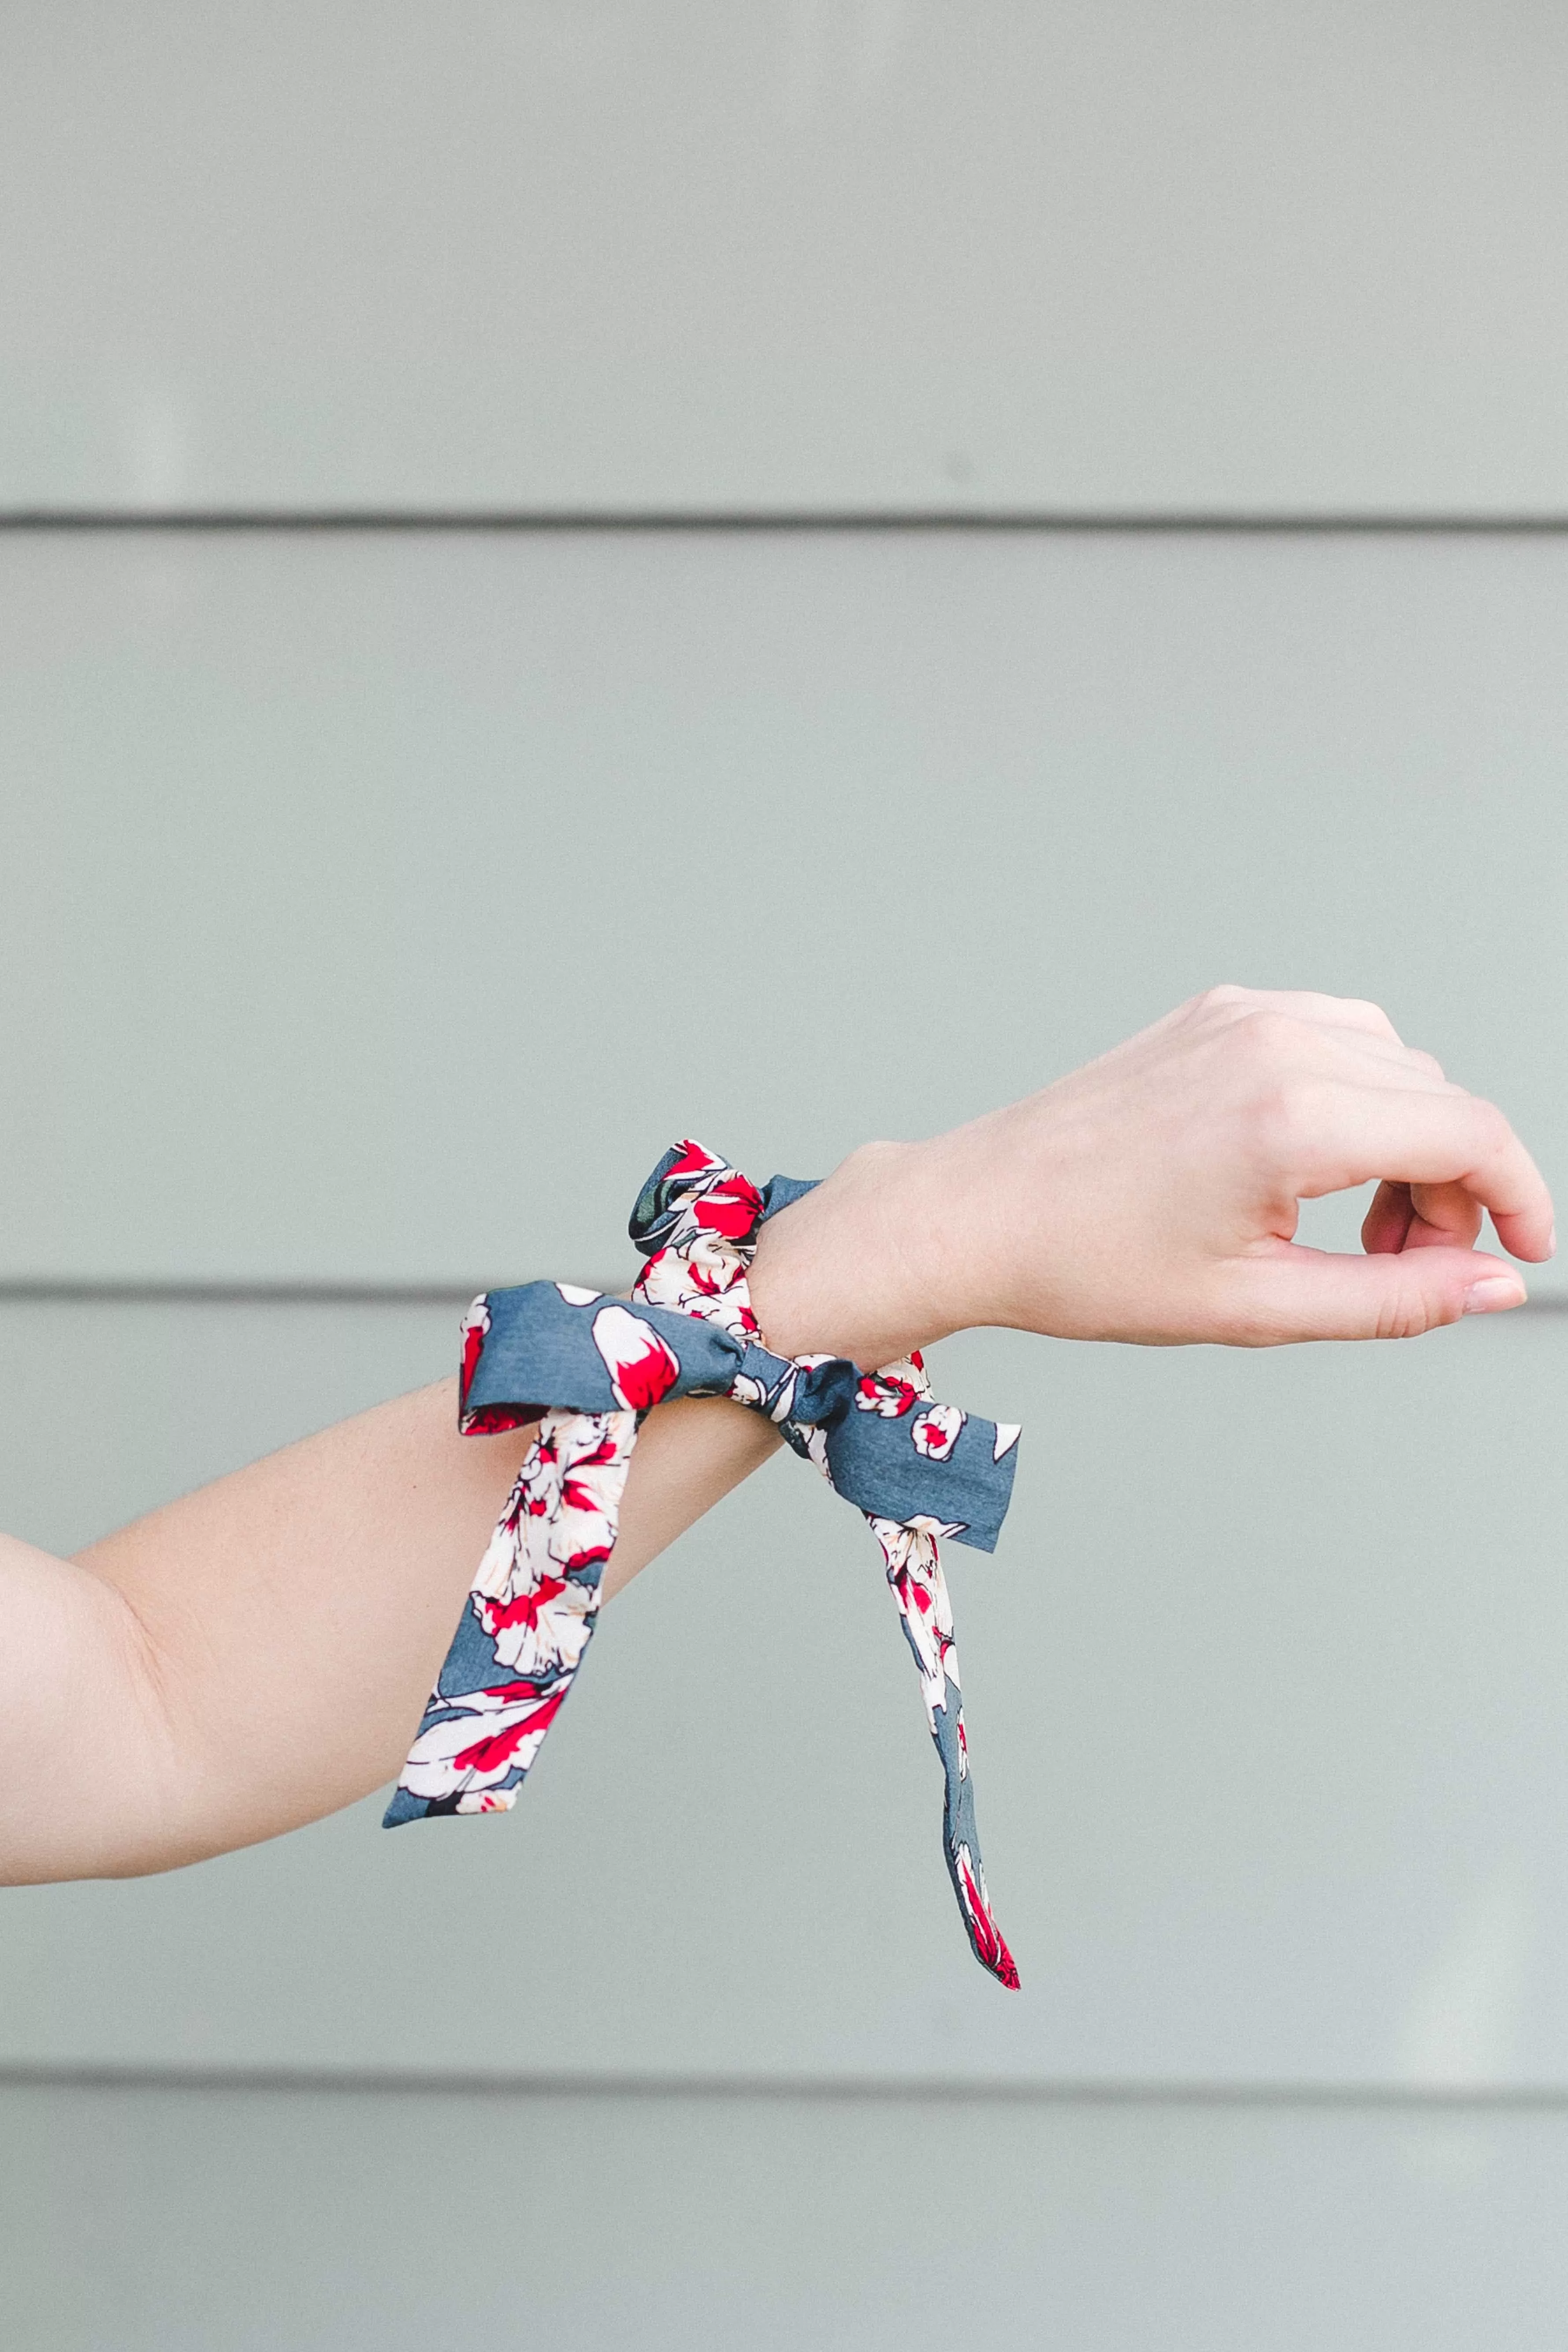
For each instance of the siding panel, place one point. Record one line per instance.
(1126, 258)
(180, 2221)
(379, 908)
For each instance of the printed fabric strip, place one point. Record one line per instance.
(588, 1368)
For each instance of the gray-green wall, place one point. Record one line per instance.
(376, 904)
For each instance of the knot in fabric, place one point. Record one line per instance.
(588, 1368)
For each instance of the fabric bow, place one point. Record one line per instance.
(589, 1368)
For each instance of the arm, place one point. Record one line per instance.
(257, 1655)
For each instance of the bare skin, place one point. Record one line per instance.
(1153, 1197)
(257, 1655)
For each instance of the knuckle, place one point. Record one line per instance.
(1373, 1013)
(1224, 997)
(1493, 1133)
(1286, 1117)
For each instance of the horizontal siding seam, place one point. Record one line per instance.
(958, 519)
(375, 2082)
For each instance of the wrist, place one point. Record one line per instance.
(865, 1265)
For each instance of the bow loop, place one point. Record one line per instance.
(588, 1368)
(693, 1193)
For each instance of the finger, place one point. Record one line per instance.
(1285, 1042)
(1389, 1055)
(1375, 1057)
(1422, 1216)
(1445, 1216)
(1389, 1219)
(1295, 1293)
(1341, 1017)
(1426, 1061)
(1341, 1135)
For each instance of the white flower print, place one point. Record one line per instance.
(935, 1432)
(817, 1451)
(532, 1594)
(990, 1944)
(496, 1733)
(920, 1588)
(544, 1628)
(642, 1368)
(706, 1276)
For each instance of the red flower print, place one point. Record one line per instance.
(985, 1935)
(935, 1433)
(486, 1420)
(694, 1161)
(732, 1209)
(641, 1367)
(913, 1595)
(596, 1557)
(494, 1754)
(577, 1496)
(500, 1616)
(885, 1393)
(492, 1734)
(476, 1324)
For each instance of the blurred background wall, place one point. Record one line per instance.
(575, 574)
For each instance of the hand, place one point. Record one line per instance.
(1153, 1197)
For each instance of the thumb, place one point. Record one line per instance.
(1308, 1294)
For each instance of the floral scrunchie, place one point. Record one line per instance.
(587, 1369)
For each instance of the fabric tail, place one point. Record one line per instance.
(920, 1588)
(527, 1625)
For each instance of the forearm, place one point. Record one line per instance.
(257, 1655)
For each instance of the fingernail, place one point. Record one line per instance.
(1496, 1290)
